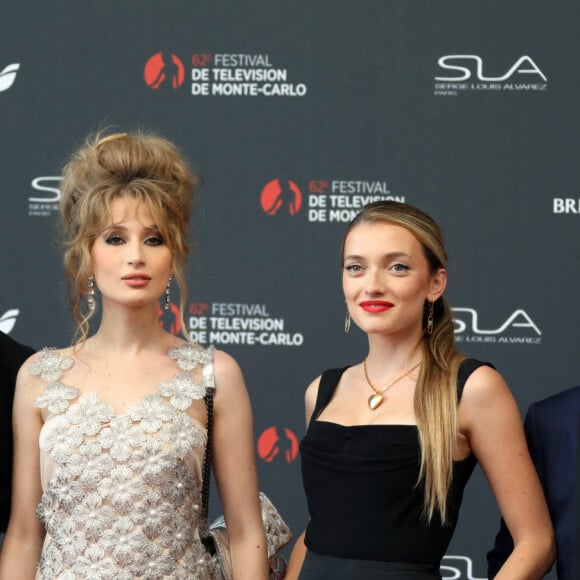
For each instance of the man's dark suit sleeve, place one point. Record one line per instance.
(12, 355)
(504, 543)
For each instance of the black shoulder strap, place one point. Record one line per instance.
(467, 367)
(330, 378)
(209, 381)
(328, 382)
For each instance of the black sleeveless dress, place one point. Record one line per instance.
(366, 512)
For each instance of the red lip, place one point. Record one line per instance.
(375, 305)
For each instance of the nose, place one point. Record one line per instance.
(375, 285)
(135, 254)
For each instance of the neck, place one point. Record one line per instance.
(388, 355)
(130, 330)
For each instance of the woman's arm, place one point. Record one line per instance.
(299, 550)
(235, 471)
(296, 558)
(25, 534)
(490, 422)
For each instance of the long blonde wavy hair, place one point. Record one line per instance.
(436, 390)
(140, 166)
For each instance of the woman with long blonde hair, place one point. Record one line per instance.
(392, 441)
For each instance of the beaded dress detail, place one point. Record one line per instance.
(121, 492)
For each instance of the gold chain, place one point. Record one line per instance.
(376, 399)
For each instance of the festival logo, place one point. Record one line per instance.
(272, 446)
(328, 200)
(281, 195)
(164, 71)
(226, 323)
(517, 328)
(457, 568)
(8, 76)
(8, 320)
(461, 73)
(223, 75)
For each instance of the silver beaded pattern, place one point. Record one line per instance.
(123, 499)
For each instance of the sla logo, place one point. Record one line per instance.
(462, 568)
(8, 320)
(161, 69)
(270, 445)
(466, 321)
(524, 65)
(170, 319)
(281, 195)
(42, 184)
(8, 76)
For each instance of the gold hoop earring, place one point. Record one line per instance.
(347, 323)
(430, 318)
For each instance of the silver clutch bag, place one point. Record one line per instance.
(278, 534)
(215, 538)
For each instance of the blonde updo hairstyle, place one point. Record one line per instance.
(137, 166)
(436, 390)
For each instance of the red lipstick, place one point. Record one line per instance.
(375, 305)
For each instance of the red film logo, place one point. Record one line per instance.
(160, 69)
(281, 195)
(270, 445)
(170, 319)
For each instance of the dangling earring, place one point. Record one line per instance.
(91, 294)
(347, 322)
(168, 294)
(430, 318)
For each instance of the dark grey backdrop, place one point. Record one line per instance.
(490, 152)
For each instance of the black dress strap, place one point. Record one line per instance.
(467, 367)
(326, 387)
(329, 381)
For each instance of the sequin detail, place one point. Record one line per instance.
(182, 389)
(123, 501)
(50, 364)
(56, 397)
(188, 356)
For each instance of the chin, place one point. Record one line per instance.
(374, 328)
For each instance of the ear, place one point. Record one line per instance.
(437, 284)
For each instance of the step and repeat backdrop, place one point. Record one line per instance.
(296, 114)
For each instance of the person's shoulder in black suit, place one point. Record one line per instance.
(12, 355)
(558, 413)
(555, 403)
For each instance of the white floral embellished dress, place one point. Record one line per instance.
(121, 493)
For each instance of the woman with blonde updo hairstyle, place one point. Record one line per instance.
(392, 441)
(110, 433)
(143, 167)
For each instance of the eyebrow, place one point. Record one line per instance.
(389, 255)
(114, 227)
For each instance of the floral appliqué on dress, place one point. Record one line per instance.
(122, 498)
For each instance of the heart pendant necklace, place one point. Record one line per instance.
(377, 398)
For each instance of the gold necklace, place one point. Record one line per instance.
(376, 399)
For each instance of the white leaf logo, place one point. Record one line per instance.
(8, 76)
(8, 320)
